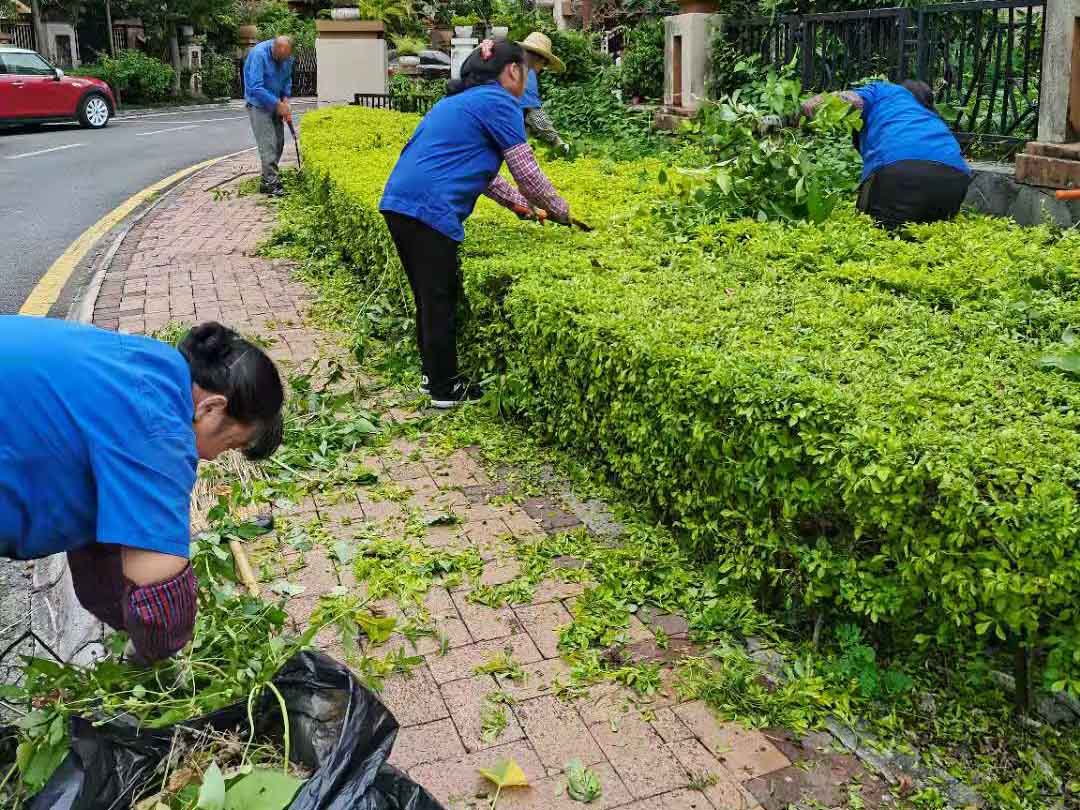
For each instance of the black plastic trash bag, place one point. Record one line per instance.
(337, 727)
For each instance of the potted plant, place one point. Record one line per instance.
(248, 15)
(408, 52)
(500, 26)
(464, 24)
(345, 11)
(441, 17)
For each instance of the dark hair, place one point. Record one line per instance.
(224, 363)
(922, 92)
(476, 70)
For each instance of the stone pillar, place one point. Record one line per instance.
(1054, 160)
(1059, 104)
(460, 48)
(351, 59)
(687, 40)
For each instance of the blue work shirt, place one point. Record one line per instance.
(96, 440)
(531, 99)
(453, 156)
(266, 82)
(897, 127)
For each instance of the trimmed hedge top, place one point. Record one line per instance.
(843, 417)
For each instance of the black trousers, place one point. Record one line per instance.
(913, 191)
(431, 262)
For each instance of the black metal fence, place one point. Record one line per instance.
(305, 71)
(983, 58)
(385, 101)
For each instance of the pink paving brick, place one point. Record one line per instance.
(722, 787)
(456, 783)
(414, 698)
(541, 678)
(645, 764)
(467, 700)
(427, 743)
(668, 725)
(542, 623)
(550, 793)
(557, 733)
(486, 623)
(744, 752)
(461, 662)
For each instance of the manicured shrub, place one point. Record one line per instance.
(839, 418)
(134, 76)
(218, 72)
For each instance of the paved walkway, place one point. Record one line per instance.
(192, 259)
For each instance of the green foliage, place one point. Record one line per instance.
(836, 417)
(582, 784)
(857, 662)
(785, 175)
(579, 51)
(409, 46)
(396, 15)
(217, 74)
(276, 19)
(591, 114)
(134, 77)
(642, 68)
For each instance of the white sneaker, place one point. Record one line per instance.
(425, 384)
(460, 394)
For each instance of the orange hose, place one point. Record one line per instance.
(1068, 194)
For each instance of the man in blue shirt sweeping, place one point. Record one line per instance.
(267, 87)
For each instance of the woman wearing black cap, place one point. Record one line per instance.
(453, 157)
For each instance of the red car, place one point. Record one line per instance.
(32, 91)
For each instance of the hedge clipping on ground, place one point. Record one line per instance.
(838, 418)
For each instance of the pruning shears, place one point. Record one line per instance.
(541, 216)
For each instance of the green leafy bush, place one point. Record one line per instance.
(788, 173)
(218, 72)
(837, 417)
(135, 77)
(277, 19)
(408, 93)
(643, 60)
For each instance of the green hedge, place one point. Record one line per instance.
(135, 77)
(835, 416)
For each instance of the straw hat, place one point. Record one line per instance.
(541, 45)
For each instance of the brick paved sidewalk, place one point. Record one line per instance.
(190, 260)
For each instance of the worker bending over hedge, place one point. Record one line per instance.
(913, 170)
(99, 444)
(453, 157)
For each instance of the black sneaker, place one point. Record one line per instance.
(425, 384)
(460, 394)
(272, 191)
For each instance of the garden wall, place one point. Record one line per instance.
(836, 417)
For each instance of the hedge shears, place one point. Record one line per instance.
(296, 143)
(541, 216)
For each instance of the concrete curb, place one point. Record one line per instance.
(56, 616)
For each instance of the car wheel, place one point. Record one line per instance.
(94, 111)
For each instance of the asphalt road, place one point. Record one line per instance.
(57, 181)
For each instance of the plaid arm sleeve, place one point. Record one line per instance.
(160, 618)
(533, 183)
(539, 122)
(505, 194)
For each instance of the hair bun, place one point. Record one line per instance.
(210, 342)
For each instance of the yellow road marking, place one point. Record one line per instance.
(48, 289)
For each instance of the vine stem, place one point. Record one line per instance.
(285, 723)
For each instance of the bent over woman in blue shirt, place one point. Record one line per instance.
(913, 170)
(100, 435)
(453, 157)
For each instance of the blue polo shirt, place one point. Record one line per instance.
(266, 82)
(96, 440)
(897, 127)
(453, 156)
(531, 99)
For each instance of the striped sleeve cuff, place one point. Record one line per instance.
(160, 618)
(506, 195)
(533, 183)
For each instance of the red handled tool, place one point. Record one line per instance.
(1068, 194)
(541, 216)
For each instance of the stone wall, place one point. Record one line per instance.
(994, 191)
